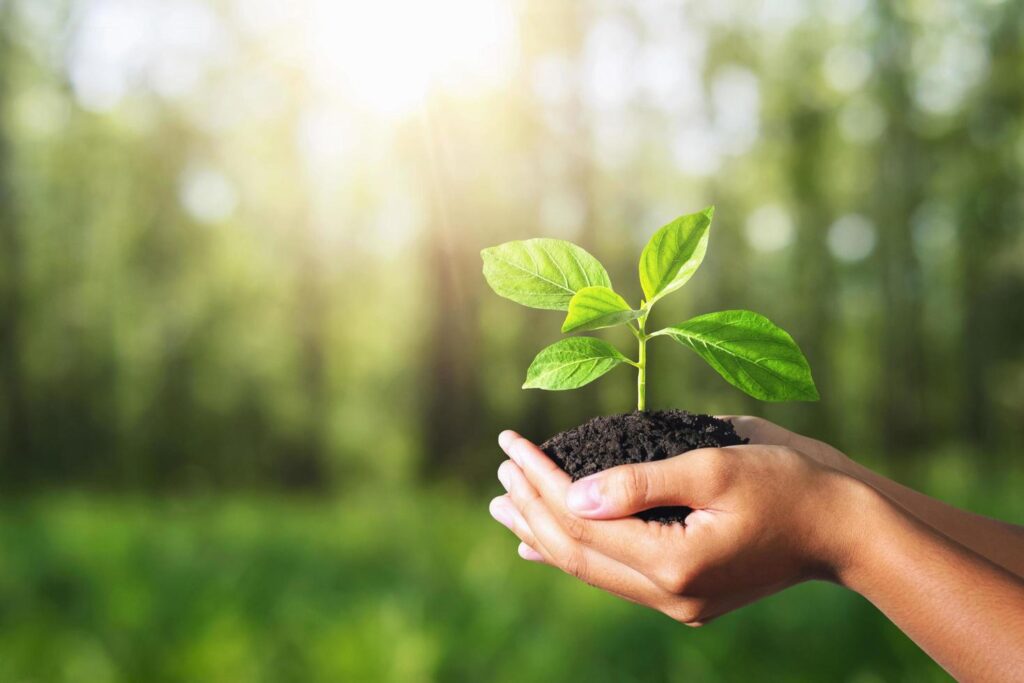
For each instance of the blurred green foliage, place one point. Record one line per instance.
(242, 314)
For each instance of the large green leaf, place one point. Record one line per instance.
(595, 307)
(750, 352)
(571, 363)
(674, 253)
(541, 273)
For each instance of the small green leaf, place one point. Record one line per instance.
(571, 363)
(674, 253)
(541, 273)
(595, 307)
(750, 352)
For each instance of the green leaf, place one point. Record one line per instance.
(674, 253)
(595, 307)
(750, 352)
(541, 273)
(571, 363)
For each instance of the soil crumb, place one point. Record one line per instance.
(635, 437)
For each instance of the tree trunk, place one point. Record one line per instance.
(15, 455)
(901, 177)
(450, 399)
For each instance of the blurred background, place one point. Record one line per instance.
(251, 376)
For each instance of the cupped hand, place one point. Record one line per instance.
(764, 517)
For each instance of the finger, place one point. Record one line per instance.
(636, 544)
(624, 540)
(505, 513)
(532, 460)
(659, 591)
(629, 541)
(528, 553)
(663, 554)
(502, 477)
(549, 479)
(562, 551)
(689, 479)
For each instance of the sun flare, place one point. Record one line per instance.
(388, 54)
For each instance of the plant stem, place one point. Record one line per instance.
(641, 377)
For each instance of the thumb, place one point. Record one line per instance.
(627, 489)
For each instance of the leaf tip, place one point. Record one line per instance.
(709, 212)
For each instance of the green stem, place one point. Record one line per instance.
(641, 377)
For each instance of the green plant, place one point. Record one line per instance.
(748, 350)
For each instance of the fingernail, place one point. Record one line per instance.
(584, 496)
(503, 476)
(506, 438)
(528, 553)
(501, 513)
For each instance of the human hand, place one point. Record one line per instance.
(997, 541)
(758, 430)
(764, 518)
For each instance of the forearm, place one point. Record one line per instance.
(999, 542)
(961, 608)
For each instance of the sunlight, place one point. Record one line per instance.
(386, 55)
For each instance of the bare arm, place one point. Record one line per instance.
(999, 542)
(966, 612)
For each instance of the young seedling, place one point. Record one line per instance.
(747, 349)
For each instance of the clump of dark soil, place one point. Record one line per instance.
(636, 437)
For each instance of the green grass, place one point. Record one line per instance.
(375, 588)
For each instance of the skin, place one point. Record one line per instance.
(998, 541)
(767, 515)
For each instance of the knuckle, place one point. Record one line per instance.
(575, 564)
(633, 485)
(713, 458)
(531, 504)
(687, 612)
(577, 529)
(673, 579)
(717, 467)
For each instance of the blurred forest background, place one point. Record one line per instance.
(251, 376)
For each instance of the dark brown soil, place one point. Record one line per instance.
(605, 442)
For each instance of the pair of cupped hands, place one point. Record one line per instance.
(766, 515)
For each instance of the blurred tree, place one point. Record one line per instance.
(814, 269)
(450, 403)
(153, 333)
(304, 463)
(902, 173)
(990, 216)
(15, 446)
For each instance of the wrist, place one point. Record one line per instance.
(863, 521)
